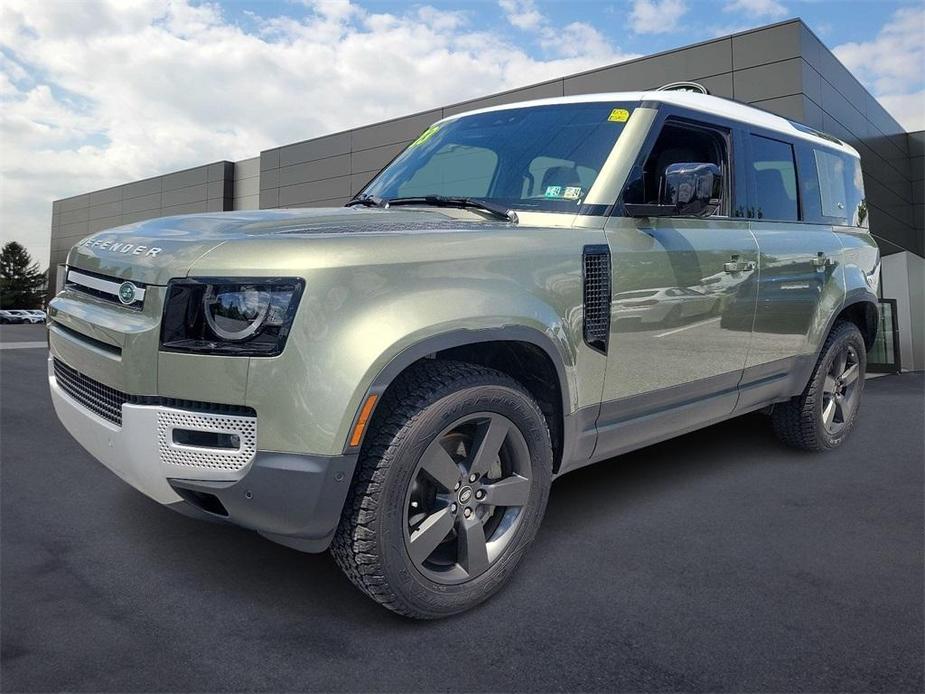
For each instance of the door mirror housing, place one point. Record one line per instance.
(694, 189)
(686, 190)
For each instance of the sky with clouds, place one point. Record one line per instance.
(99, 92)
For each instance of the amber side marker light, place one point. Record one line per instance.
(360, 426)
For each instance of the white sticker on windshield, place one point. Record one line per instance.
(572, 193)
(553, 191)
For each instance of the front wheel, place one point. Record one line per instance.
(449, 491)
(823, 415)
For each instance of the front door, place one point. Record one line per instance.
(683, 301)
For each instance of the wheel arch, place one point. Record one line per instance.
(529, 356)
(862, 309)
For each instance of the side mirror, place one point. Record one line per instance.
(685, 190)
(693, 189)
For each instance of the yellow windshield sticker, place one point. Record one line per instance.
(618, 115)
(426, 135)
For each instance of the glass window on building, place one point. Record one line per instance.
(884, 355)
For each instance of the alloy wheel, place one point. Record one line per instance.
(840, 390)
(467, 497)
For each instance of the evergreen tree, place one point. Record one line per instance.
(21, 281)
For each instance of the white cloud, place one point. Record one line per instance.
(757, 8)
(570, 41)
(908, 109)
(656, 16)
(894, 56)
(522, 13)
(101, 92)
(891, 65)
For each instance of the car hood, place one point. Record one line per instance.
(156, 250)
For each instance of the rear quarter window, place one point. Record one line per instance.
(856, 202)
(830, 168)
(831, 187)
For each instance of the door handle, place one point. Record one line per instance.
(821, 260)
(736, 265)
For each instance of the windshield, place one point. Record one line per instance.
(542, 158)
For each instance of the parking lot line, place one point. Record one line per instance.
(688, 327)
(23, 345)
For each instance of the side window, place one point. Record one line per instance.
(831, 187)
(810, 197)
(856, 203)
(830, 168)
(455, 170)
(678, 143)
(775, 180)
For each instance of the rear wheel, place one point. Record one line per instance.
(449, 491)
(823, 415)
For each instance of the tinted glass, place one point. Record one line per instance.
(831, 187)
(810, 198)
(775, 180)
(676, 144)
(465, 170)
(537, 158)
(854, 183)
(830, 168)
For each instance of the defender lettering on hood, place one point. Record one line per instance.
(119, 247)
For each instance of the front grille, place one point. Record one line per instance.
(106, 288)
(107, 402)
(99, 399)
(596, 294)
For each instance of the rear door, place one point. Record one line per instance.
(799, 279)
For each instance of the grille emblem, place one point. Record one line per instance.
(127, 293)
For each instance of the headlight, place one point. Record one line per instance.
(234, 317)
(235, 313)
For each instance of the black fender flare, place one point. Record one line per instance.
(858, 295)
(460, 338)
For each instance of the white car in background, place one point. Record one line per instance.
(28, 316)
(663, 307)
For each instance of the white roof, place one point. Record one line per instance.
(714, 105)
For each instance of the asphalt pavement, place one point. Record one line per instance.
(719, 561)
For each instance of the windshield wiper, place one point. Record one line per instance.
(494, 209)
(366, 201)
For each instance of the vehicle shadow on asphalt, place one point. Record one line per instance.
(308, 583)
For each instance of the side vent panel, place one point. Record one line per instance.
(596, 296)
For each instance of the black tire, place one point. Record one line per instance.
(373, 542)
(673, 317)
(810, 421)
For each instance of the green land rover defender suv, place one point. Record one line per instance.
(525, 290)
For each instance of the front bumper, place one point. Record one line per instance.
(292, 499)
